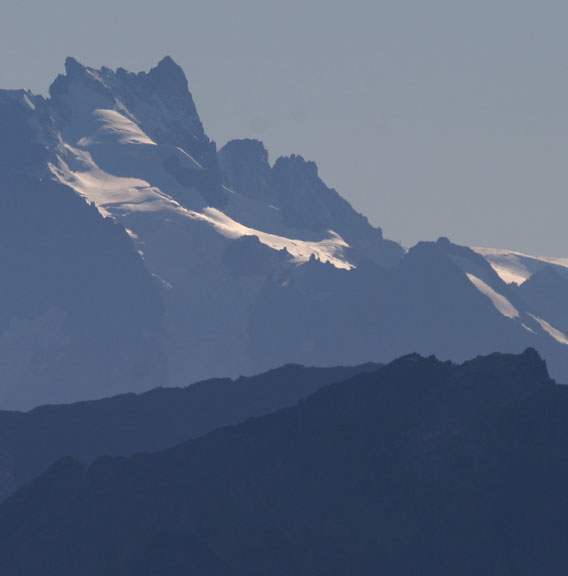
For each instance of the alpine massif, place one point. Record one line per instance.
(135, 254)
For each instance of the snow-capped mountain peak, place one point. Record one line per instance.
(242, 264)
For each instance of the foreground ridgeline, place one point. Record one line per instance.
(161, 418)
(419, 467)
(134, 253)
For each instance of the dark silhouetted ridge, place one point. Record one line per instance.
(123, 425)
(421, 467)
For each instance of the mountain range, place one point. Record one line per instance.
(136, 254)
(123, 425)
(418, 467)
(210, 363)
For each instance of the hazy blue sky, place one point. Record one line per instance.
(432, 117)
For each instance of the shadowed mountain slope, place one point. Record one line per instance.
(77, 305)
(422, 467)
(123, 425)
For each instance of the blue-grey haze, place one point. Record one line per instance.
(432, 118)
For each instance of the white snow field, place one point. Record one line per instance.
(517, 267)
(498, 300)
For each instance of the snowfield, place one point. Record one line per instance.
(517, 267)
(499, 301)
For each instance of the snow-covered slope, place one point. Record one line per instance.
(540, 282)
(118, 152)
(517, 267)
(242, 265)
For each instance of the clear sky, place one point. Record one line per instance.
(438, 117)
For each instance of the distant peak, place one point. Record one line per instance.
(168, 62)
(297, 163)
(72, 66)
(168, 74)
(245, 150)
(246, 143)
(73, 70)
(547, 273)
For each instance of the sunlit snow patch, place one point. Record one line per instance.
(108, 191)
(116, 196)
(551, 330)
(327, 250)
(499, 301)
(28, 102)
(117, 126)
(516, 266)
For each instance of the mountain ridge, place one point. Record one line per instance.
(379, 472)
(155, 420)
